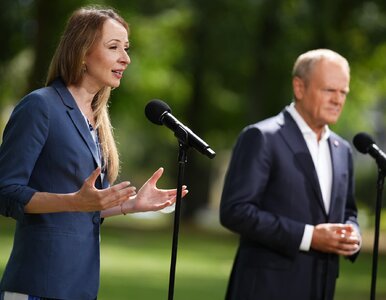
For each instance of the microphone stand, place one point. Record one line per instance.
(378, 206)
(182, 136)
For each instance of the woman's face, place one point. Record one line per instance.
(107, 59)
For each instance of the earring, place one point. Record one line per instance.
(84, 67)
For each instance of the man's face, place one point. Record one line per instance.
(320, 100)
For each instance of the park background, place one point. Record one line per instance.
(220, 65)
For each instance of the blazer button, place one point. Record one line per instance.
(96, 219)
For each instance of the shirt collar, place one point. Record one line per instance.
(303, 126)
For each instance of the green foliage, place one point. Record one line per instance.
(18, 28)
(219, 64)
(137, 264)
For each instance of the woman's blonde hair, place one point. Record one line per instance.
(83, 29)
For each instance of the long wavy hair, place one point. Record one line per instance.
(83, 30)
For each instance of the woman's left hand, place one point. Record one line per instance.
(150, 198)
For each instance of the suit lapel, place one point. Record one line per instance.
(77, 118)
(295, 140)
(80, 123)
(336, 168)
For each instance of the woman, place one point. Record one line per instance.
(59, 162)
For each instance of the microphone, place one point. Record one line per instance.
(365, 144)
(158, 112)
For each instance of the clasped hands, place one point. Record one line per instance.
(341, 239)
(148, 198)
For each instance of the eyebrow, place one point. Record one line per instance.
(116, 40)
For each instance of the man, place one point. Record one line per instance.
(289, 191)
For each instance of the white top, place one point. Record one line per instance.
(14, 296)
(321, 156)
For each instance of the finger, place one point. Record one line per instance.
(124, 195)
(122, 185)
(338, 228)
(118, 193)
(345, 253)
(347, 249)
(183, 193)
(172, 190)
(159, 207)
(350, 227)
(121, 196)
(173, 193)
(163, 205)
(352, 240)
(157, 175)
(173, 197)
(354, 236)
(344, 233)
(93, 176)
(346, 230)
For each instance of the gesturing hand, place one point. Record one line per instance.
(150, 198)
(340, 239)
(89, 198)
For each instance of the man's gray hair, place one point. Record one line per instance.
(305, 62)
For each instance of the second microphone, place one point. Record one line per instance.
(158, 112)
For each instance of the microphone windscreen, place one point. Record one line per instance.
(362, 141)
(155, 109)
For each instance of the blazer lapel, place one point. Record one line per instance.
(77, 118)
(80, 123)
(336, 168)
(295, 140)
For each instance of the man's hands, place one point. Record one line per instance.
(340, 239)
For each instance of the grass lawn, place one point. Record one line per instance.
(135, 265)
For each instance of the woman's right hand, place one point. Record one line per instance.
(89, 198)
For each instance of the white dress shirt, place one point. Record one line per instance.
(320, 153)
(14, 296)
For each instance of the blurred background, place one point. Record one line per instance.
(220, 65)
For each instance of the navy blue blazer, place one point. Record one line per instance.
(47, 147)
(271, 192)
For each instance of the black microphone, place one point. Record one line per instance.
(365, 144)
(158, 112)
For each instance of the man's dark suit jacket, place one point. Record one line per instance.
(271, 192)
(47, 147)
